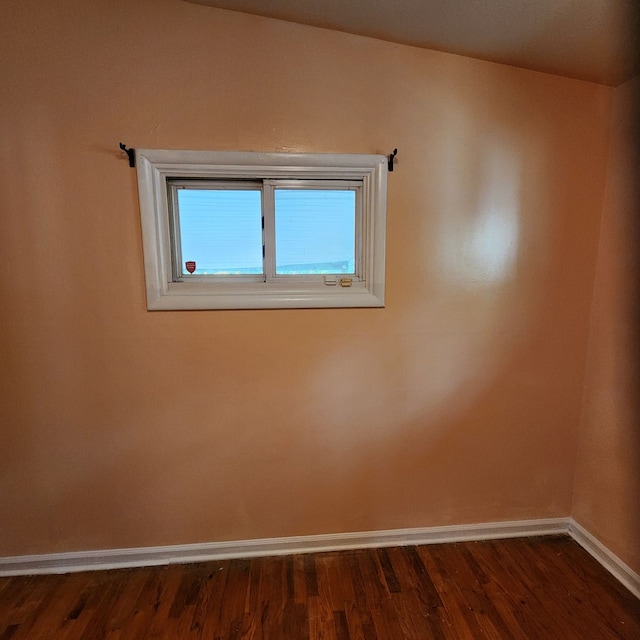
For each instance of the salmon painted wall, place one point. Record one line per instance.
(457, 403)
(607, 489)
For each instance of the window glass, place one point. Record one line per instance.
(315, 231)
(220, 231)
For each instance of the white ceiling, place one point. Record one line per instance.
(585, 39)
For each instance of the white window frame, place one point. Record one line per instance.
(157, 167)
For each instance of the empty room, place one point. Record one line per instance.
(319, 320)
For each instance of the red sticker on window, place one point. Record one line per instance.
(190, 265)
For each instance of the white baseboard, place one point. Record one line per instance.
(176, 554)
(616, 567)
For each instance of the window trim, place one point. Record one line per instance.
(156, 166)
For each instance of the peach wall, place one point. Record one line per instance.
(457, 403)
(607, 490)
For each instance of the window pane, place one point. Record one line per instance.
(315, 231)
(221, 231)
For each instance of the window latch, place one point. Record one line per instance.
(332, 281)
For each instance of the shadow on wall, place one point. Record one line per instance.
(607, 483)
(634, 387)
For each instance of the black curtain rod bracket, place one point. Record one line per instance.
(391, 158)
(131, 153)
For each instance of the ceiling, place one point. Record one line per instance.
(584, 39)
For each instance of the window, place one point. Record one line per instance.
(240, 230)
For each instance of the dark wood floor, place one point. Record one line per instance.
(535, 588)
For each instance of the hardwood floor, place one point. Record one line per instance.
(535, 588)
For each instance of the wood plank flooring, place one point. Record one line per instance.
(532, 588)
